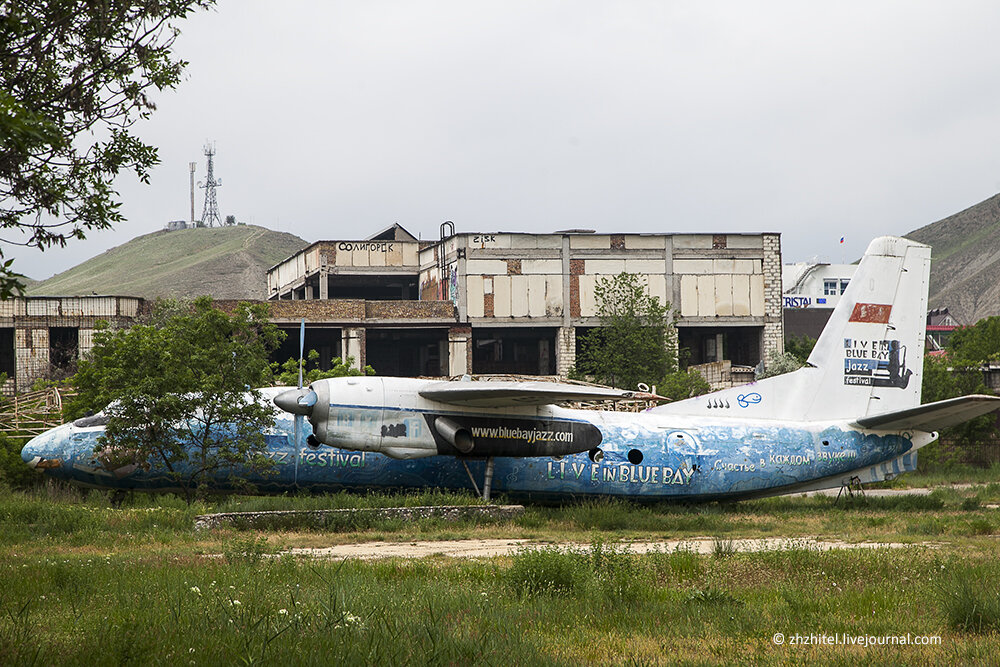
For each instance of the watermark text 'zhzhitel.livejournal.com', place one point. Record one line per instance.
(843, 639)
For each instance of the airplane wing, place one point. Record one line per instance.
(933, 416)
(500, 394)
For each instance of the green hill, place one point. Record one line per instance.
(224, 262)
(965, 261)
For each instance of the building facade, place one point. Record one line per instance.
(516, 302)
(42, 337)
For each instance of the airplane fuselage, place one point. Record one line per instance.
(645, 455)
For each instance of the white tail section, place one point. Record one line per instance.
(868, 360)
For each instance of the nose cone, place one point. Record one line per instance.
(38, 452)
(296, 401)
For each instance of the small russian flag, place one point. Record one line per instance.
(841, 239)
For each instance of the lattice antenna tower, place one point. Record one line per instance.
(210, 214)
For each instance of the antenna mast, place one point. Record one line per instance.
(210, 214)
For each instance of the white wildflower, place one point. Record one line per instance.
(196, 590)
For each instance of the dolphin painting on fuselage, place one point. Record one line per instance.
(853, 413)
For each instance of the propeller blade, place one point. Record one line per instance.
(302, 348)
(308, 400)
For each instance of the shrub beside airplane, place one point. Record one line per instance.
(853, 413)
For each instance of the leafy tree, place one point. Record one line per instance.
(636, 342)
(779, 364)
(287, 374)
(179, 392)
(75, 75)
(957, 373)
(800, 347)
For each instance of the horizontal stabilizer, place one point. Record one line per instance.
(500, 394)
(933, 416)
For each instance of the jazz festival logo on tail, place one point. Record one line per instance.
(878, 363)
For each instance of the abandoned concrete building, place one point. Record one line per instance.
(516, 302)
(467, 303)
(41, 337)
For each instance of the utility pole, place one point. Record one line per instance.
(192, 165)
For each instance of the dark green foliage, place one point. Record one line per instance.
(287, 374)
(179, 391)
(72, 71)
(636, 342)
(13, 472)
(800, 347)
(959, 373)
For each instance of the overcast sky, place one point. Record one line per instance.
(333, 120)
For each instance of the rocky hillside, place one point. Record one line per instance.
(224, 262)
(965, 261)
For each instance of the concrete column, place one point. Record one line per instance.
(459, 350)
(353, 345)
(309, 292)
(565, 350)
(774, 324)
(324, 284)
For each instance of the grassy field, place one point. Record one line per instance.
(81, 582)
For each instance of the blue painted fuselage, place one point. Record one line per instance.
(646, 456)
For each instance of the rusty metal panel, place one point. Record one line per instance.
(43, 308)
(128, 307)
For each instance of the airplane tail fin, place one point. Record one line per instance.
(869, 358)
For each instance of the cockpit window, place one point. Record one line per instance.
(100, 419)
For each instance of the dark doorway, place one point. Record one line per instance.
(527, 351)
(407, 352)
(64, 348)
(374, 287)
(740, 345)
(8, 364)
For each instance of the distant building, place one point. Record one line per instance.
(175, 225)
(466, 303)
(42, 337)
(810, 293)
(940, 325)
(503, 302)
